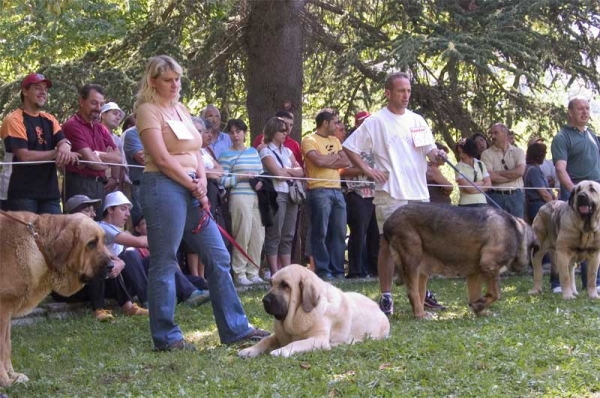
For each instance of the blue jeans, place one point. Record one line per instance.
(38, 206)
(513, 203)
(554, 278)
(327, 231)
(171, 214)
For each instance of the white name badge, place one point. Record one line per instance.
(419, 136)
(180, 129)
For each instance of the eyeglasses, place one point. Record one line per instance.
(504, 164)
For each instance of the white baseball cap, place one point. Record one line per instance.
(109, 106)
(116, 198)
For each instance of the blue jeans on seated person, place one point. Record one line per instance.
(554, 277)
(171, 214)
(327, 232)
(37, 206)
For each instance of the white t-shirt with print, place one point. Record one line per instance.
(400, 144)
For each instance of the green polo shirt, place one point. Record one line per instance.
(581, 151)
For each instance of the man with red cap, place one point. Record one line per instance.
(33, 135)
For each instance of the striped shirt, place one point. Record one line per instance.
(248, 162)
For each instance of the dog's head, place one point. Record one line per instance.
(584, 201)
(292, 287)
(529, 245)
(77, 252)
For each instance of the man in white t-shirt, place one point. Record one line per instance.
(400, 141)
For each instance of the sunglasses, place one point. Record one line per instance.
(504, 164)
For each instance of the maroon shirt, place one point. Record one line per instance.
(83, 134)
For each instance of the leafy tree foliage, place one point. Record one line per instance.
(474, 62)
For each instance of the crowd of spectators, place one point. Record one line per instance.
(386, 160)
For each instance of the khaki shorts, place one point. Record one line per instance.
(385, 205)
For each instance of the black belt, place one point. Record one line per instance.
(504, 191)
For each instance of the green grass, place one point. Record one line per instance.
(527, 346)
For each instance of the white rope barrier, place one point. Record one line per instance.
(270, 176)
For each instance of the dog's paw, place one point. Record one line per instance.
(282, 352)
(18, 377)
(249, 352)
(570, 296)
(535, 292)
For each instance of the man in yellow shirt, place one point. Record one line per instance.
(323, 156)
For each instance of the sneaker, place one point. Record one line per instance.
(134, 310)
(256, 280)
(103, 315)
(557, 289)
(431, 303)
(386, 305)
(254, 336)
(180, 345)
(267, 275)
(243, 281)
(197, 298)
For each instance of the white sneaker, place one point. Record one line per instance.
(256, 280)
(557, 289)
(243, 281)
(267, 276)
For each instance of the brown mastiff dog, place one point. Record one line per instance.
(474, 242)
(311, 314)
(570, 231)
(74, 248)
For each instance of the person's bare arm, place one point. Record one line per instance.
(128, 240)
(333, 161)
(216, 172)
(545, 194)
(437, 177)
(563, 176)
(62, 154)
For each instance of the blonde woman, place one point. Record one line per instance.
(172, 193)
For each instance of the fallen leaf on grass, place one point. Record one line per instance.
(305, 365)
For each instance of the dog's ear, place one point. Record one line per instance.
(309, 294)
(61, 247)
(572, 197)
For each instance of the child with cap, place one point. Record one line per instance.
(99, 289)
(123, 244)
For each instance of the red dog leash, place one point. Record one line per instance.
(205, 217)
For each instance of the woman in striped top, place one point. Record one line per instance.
(240, 163)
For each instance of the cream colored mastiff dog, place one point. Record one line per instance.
(311, 314)
(570, 231)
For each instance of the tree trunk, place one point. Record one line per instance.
(274, 72)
